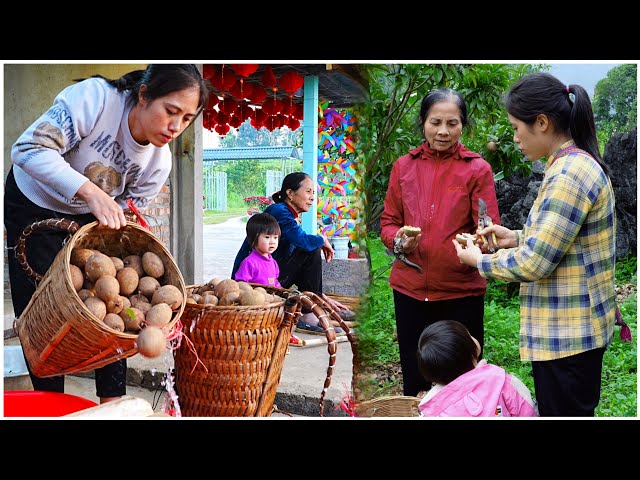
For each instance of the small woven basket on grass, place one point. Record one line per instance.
(392, 406)
(231, 361)
(58, 333)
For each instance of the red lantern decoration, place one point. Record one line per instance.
(213, 101)
(273, 122)
(272, 106)
(228, 105)
(248, 112)
(293, 123)
(244, 111)
(222, 117)
(286, 107)
(241, 89)
(208, 71)
(222, 129)
(223, 80)
(257, 96)
(298, 111)
(235, 122)
(206, 122)
(255, 124)
(260, 116)
(291, 81)
(282, 120)
(270, 124)
(268, 78)
(244, 69)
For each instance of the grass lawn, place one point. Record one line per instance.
(211, 217)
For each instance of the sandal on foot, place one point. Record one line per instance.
(295, 341)
(304, 327)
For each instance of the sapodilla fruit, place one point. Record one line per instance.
(159, 315)
(133, 318)
(114, 321)
(410, 231)
(77, 277)
(135, 262)
(79, 256)
(96, 306)
(118, 263)
(107, 287)
(128, 279)
(98, 265)
(152, 264)
(151, 342)
(147, 286)
(169, 294)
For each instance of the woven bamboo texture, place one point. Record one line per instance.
(240, 353)
(58, 334)
(392, 406)
(349, 301)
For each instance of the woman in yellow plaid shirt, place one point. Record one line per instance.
(564, 256)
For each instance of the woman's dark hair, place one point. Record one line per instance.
(291, 182)
(442, 95)
(261, 223)
(161, 79)
(542, 93)
(445, 351)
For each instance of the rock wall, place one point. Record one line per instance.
(621, 155)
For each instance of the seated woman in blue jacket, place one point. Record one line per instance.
(298, 253)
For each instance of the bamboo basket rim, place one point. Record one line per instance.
(235, 307)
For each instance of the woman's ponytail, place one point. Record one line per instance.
(582, 124)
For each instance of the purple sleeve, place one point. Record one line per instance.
(246, 271)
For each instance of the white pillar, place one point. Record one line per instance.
(310, 148)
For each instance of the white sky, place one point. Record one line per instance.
(584, 74)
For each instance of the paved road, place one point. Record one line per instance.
(220, 243)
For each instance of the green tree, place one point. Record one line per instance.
(391, 127)
(245, 178)
(615, 102)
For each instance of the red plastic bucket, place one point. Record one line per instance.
(31, 403)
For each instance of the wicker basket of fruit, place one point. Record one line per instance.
(108, 295)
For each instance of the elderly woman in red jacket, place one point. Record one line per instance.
(436, 187)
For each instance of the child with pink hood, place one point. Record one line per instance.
(462, 385)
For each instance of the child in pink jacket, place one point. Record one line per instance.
(462, 386)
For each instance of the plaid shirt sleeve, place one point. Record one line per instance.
(555, 219)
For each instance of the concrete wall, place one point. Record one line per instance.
(346, 276)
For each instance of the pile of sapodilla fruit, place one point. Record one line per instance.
(226, 292)
(126, 294)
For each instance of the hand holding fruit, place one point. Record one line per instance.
(410, 237)
(107, 212)
(468, 253)
(505, 238)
